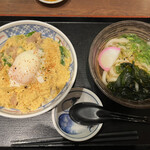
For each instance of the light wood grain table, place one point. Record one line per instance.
(77, 8)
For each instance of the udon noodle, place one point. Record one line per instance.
(134, 52)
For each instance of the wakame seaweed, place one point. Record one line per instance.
(132, 83)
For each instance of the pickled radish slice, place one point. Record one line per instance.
(107, 57)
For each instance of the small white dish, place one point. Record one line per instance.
(63, 123)
(51, 2)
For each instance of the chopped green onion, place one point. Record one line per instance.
(9, 64)
(64, 53)
(62, 61)
(30, 33)
(139, 48)
(59, 41)
(6, 62)
(22, 48)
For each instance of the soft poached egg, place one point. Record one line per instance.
(25, 68)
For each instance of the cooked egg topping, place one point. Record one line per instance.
(25, 67)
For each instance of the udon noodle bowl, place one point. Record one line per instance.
(129, 75)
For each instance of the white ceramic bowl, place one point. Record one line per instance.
(51, 2)
(47, 30)
(67, 127)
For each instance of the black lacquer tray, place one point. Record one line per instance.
(81, 32)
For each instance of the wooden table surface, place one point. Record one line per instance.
(77, 8)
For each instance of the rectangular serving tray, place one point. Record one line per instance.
(81, 32)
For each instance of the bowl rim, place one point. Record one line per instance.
(51, 2)
(111, 97)
(14, 23)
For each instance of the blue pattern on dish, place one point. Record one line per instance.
(70, 127)
(65, 122)
(24, 29)
(68, 103)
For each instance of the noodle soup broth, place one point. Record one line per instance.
(119, 35)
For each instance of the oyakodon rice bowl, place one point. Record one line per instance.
(38, 67)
